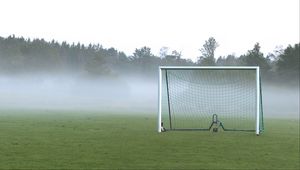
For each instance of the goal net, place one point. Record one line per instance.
(195, 98)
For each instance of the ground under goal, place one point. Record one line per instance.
(210, 98)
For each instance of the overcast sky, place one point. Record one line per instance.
(181, 25)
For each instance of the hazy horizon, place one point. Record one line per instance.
(178, 24)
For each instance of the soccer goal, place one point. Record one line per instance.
(208, 98)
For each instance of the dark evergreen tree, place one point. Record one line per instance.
(288, 64)
(256, 58)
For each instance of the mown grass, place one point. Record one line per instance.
(91, 140)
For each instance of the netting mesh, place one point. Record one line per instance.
(191, 97)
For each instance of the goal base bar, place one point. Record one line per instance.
(243, 130)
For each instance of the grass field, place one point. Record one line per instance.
(91, 140)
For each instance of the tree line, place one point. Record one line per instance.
(19, 55)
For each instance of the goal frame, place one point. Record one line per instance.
(258, 87)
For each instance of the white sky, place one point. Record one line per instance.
(182, 25)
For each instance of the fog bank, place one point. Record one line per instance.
(280, 101)
(126, 94)
(120, 94)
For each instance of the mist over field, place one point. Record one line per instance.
(122, 94)
(280, 100)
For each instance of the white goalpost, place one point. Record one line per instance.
(200, 98)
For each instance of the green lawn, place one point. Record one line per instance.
(87, 140)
